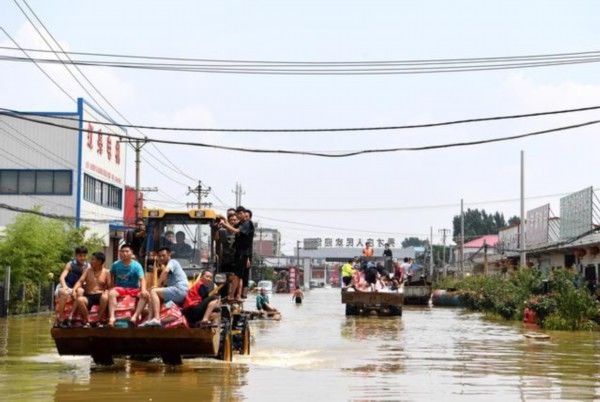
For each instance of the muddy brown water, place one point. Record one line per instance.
(316, 353)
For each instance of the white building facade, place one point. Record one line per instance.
(65, 164)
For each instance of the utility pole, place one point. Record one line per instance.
(485, 258)
(191, 205)
(444, 232)
(137, 146)
(462, 237)
(200, 192)
(431, 252)
(238, 194)
(523, 259)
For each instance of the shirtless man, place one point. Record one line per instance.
(298, 295)
(95, 281)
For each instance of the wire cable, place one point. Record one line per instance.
(323, 154)
(277, 70)
(365, 62)
(338, 129)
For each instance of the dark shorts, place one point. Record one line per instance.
(93, 299)
(346, 280)
(371, 276)
(195, 313)
(298, 300)
(241, 270)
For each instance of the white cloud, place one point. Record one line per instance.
(533, 95)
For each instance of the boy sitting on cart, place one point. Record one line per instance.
(129, 280)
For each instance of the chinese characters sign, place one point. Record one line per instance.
(576, 211)
(536, 226)
(103, 143)
(329, 242)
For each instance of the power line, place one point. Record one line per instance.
(334, 129)
(407, 61)
(386, 209)
(112, 106)
(52, 216)
(56, 53)
(311, 70)
(324, 154)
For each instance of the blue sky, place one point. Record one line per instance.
(334, 31)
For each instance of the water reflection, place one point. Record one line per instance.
(363, 328)
(317, 352)
(152, 381)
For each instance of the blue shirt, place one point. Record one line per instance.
(127, 276)
(176, 276)
(261, 300)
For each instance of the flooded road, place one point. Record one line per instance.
(316, 353)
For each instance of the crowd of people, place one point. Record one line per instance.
(87, 284)
(364, 274)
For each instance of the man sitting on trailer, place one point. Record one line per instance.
(176, 288)
(95, 282)
(201, 301)
(129, 280)
(68, 278)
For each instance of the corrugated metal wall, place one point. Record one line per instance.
(29, 145)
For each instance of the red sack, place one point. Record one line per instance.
(125, 303)
(169, 314)
(180, 322)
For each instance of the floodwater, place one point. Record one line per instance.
(316, 353)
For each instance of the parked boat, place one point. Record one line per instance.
(417, 292)
(445, 298)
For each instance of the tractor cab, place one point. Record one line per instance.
(189, 235)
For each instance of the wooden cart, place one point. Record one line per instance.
(373, 303)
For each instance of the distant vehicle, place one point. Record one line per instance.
(266, 285)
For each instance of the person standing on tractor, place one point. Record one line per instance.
(68, 278)
(244, 234)
(226, 254)
(368, 250)
(137, 239)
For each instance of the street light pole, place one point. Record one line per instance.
(523, 257)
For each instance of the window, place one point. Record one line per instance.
(101, 193)
(42, 182)
(9, 181)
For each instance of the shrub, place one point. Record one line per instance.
(565, 307)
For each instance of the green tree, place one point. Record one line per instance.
(413, 242)
(515, 220)
(37, 248)
(478, 223)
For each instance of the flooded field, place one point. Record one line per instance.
(316, 353)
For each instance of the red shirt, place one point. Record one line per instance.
(196, 294)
